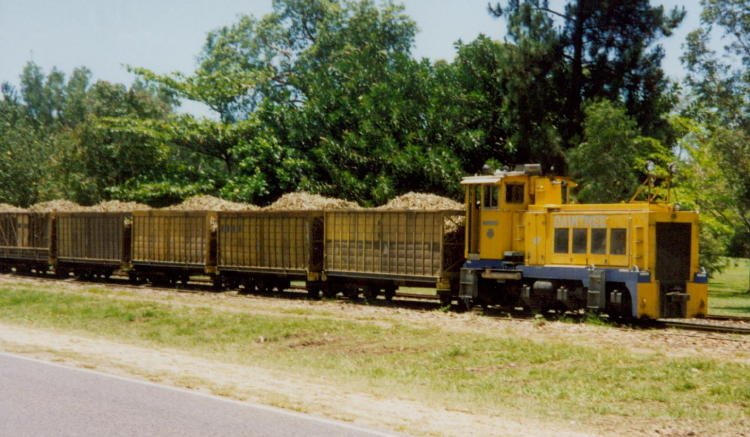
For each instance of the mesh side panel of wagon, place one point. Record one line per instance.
(92, 237)
(270, 242)
(24, 236)
(176, 238)
(408, 245)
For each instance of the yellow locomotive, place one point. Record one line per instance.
(527, 246)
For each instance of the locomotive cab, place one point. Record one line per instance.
(495, 207)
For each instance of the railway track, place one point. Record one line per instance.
(711, 323)
(722, 324)
(745, 319)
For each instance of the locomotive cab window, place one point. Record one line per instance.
(490, 197)
(617, 240)
(561, 240)
(599, 241)
(514, 193)
(580, 240)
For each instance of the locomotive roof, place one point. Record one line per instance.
(490, 179)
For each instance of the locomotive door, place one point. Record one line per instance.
(673, 266)
(490, 221)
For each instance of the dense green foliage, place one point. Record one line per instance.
(613, 157)
(717, 135)
(326, 96)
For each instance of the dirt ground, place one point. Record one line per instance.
(277, 388)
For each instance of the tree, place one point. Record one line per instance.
(720, 104)
(602, 49)
(335, 87)
(55, 144)
(610, 164)
(25, 152)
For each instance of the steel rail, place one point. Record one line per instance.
(706, 327)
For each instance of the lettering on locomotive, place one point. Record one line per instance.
(580, 221)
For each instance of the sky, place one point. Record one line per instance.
(166, 35)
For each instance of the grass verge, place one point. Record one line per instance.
(490, 374)
(729, 291)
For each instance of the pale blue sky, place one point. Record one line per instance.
(166, 35)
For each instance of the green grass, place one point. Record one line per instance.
(492, 374)
(728, 290)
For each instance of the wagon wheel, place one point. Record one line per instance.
(352, 293)
(248, 287)
(313, 290)
(159, 280)
(389, 292)
(446, 299)
(84, 275)
(328, 291)
(134, 278)
(371, 294)
(265, 287)
(464, 304)
(217, 283)
(282, 284)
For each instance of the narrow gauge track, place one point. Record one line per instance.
(745, 319)
(742, 325)
(413, 301)
(416, 301)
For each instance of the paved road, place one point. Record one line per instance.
(44, 399)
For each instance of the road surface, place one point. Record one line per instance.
(45, 399)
